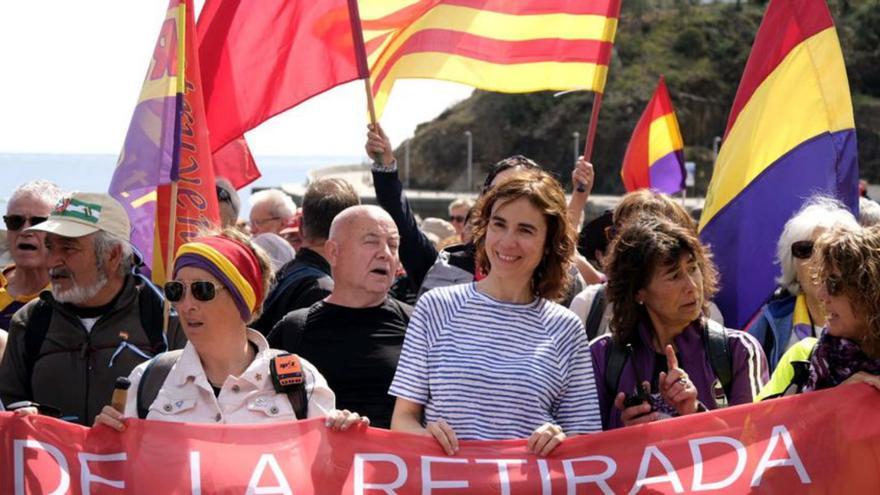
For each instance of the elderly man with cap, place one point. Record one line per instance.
(67, 348)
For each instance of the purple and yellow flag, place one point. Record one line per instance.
(791, 134)
(167, 143)
(654, 158)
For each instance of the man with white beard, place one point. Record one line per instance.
(67, 348)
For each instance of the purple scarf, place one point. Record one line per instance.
(834, 360)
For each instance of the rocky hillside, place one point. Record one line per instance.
(701, 49)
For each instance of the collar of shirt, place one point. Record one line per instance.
(189, 366)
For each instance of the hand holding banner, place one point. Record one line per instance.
(821, 442)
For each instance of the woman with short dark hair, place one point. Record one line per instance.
(661, 357)
(498, 359)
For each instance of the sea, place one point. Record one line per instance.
(92, 173)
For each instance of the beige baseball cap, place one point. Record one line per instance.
(79, 214)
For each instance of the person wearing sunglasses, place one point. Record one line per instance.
(458, 214)
(224, 374)
(228, 201)
(28, 274)
(67, 347)
(846, 273)
(795, 312)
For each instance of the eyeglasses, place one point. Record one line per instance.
(202, 290)
(260, 222)
(16, 222)
(802, 249)
(456, 218)
(833, 285)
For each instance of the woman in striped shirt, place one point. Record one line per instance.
(497, 359)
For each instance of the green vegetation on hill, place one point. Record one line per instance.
(702, 51)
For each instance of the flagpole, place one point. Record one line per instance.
(169, 255)
(591, 131)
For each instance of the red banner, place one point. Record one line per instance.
(824, 442)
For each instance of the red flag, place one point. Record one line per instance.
(235, 162)
(196, 200)
(262, 57)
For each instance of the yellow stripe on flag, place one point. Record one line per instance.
(504, 27)
(793, 104)
(507, 78)
(664, 137)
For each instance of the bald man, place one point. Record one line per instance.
(354, 336)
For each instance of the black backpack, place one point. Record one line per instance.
(150, 309)
(717, 349)
(157, 371)
(596, 313)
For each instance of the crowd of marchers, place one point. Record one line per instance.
(508, 320)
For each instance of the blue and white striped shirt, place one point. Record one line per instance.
(497, 370)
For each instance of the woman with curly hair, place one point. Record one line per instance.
(497, 358)
(664, 357)
(848, 350)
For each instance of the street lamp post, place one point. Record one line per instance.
(406, 161)
(577, 146)
(470, 159)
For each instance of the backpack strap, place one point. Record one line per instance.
(615, 359)
(715, 339)
(596, 313)
(288, 334)
(296, 394)
(292, 277)
(153, 378)
(34, 335)
(151, 309)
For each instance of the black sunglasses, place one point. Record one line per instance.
(223, 195)
(16, 222)
(802, 249)
(456, 218)
(833, 285)
(202, 290)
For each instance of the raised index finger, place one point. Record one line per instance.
(671, 360)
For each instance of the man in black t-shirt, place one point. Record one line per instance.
(354, 336)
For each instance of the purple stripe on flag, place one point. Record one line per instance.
(145, 162)
(743, 235)
(667, 173)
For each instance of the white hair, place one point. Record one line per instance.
(869, 212)
(44, 190)
(277, 249)
(818, 211)
(461, 203)
(280, 204)
(104, 242)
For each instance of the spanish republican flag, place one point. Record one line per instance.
(790, 135)
(654, 158)
(167, 143)
(498, 45)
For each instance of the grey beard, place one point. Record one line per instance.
(79, 295)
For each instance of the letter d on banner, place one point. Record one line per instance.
(697, 454)
(18, 460)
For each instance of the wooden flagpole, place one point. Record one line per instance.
(591, 132)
